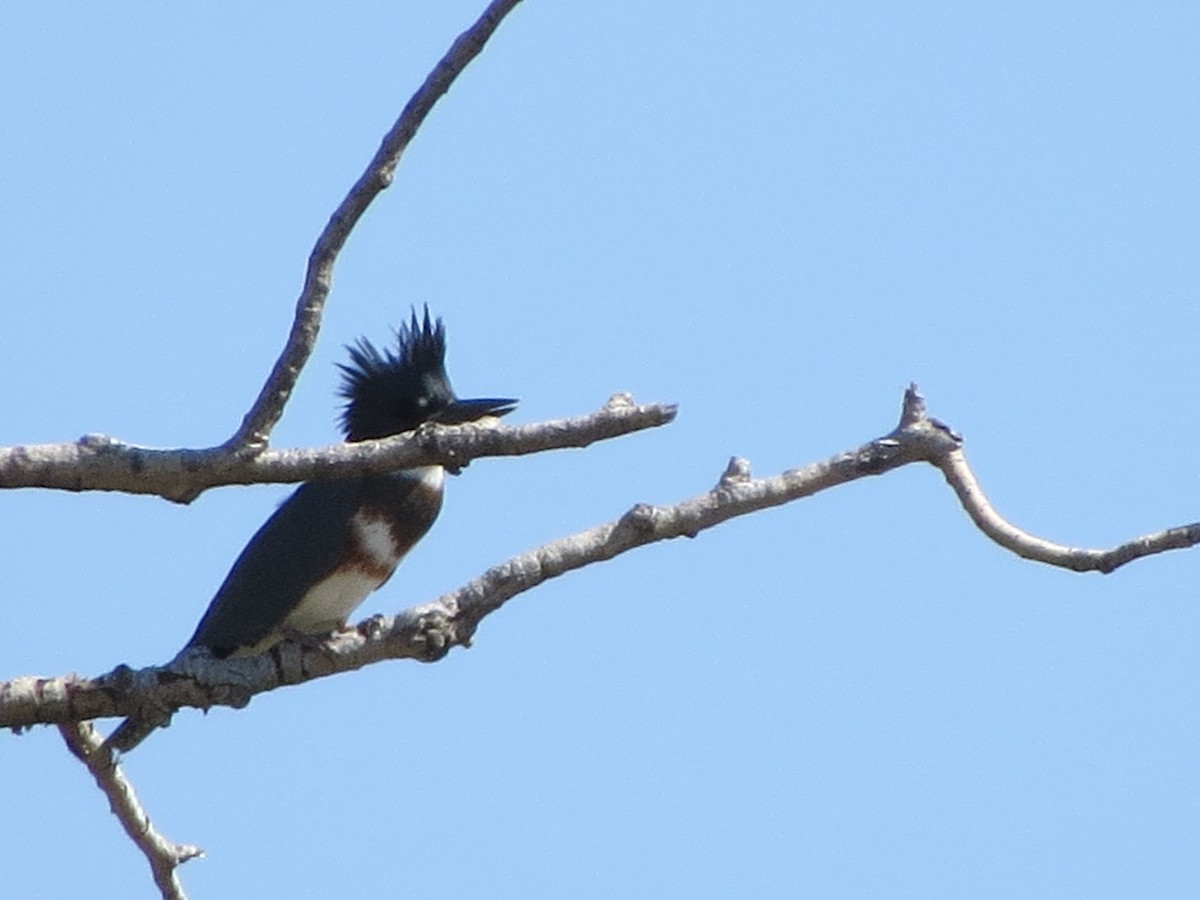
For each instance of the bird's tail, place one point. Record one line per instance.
(132, 732)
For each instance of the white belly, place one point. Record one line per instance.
(329, 604)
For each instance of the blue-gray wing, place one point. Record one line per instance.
(300, 545)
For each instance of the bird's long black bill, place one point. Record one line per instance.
(461, 411)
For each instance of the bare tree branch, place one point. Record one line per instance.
(163, 855)
(1078, 559)
(256, 426)
(99, 463)
(428, 632)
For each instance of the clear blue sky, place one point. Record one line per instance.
(774, 214)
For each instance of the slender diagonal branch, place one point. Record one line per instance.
(99, 463)
(163, 855)
(253, 433)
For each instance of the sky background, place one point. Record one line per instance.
(776, 215)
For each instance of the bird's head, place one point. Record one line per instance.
(391, 391)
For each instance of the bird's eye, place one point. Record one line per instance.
(422, 402)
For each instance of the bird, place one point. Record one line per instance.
(333, 542)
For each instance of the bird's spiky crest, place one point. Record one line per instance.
(390, 391)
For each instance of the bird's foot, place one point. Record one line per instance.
(305, 639)
(311, 641)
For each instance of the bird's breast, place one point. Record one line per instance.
(374, 554)
(385, 527)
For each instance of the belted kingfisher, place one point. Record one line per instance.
(331, 543)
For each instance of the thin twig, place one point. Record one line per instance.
(1078, 559)
(256, 426)
(163, 855)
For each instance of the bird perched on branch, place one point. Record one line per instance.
(331, 543)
